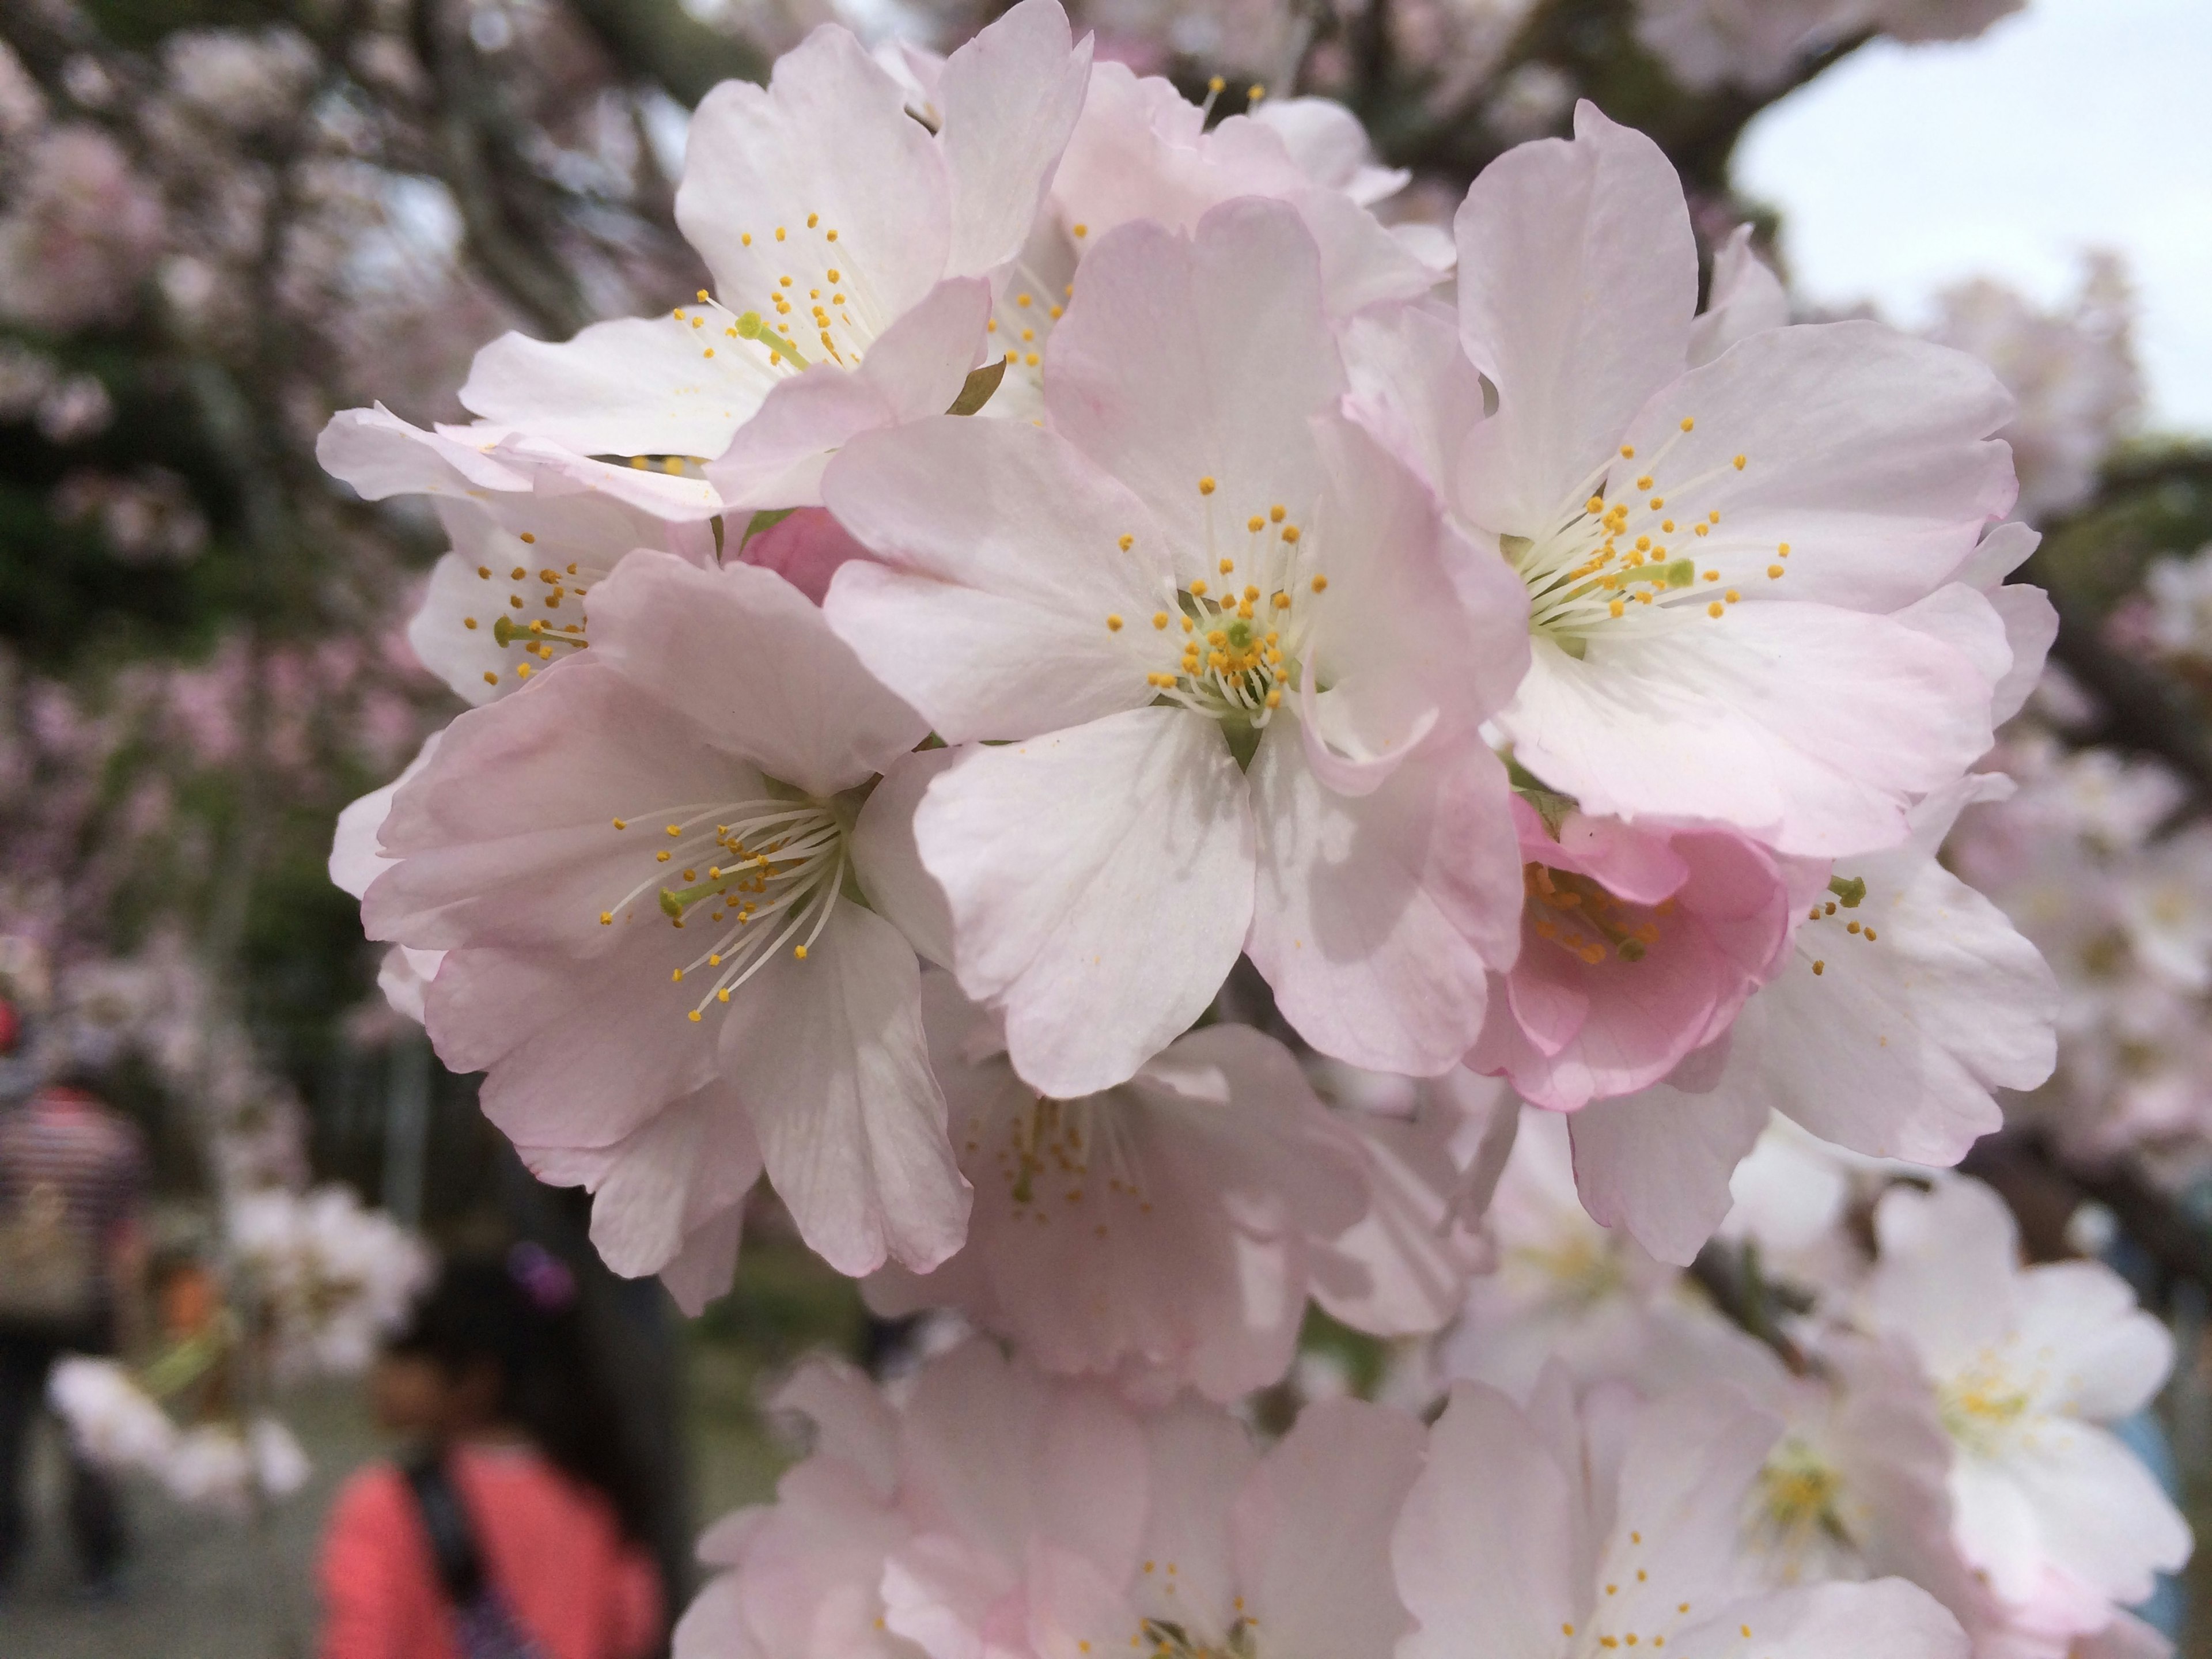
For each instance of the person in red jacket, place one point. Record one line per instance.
(506, 1533)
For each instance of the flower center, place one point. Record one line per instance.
(1794, 1504)
(1239, 631)
(1980, 1406)
(1583, 919)
(761, 874)
(799, 267)
(1051, 1148)
(1628, 554)
(514, 596)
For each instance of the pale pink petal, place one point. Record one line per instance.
(1378, 914)
(1484, 1551)
(1413, 389)
(915, 366)
(805, 548)
(638, 386)
(1578, 280)
(1746, 297)
(1831, 1621)
(888, 863)
(1100, 880)
(357, 849)
(1175, 362)
(1312, 1531)
(1657, 1163)
(1866, 452)
(1010, 98)
(1001, 567)
(829, 1057)
(826, 145)
(691, 1165)
(580, 1053)
(749, 657)
(1810, 728)
(507, 837)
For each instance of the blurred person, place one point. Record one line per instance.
(72, 1186)
(511, 1528)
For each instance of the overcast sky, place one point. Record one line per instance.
(2077, 123)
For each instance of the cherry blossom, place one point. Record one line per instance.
(1639, 944)
(2027, 1364)
(532, 528)
(854, 254)
(1716, 556)
(1244, 689)
(1552, 1533)
(642, 869)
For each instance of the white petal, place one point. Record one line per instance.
(1009, 97)
(1100, 880)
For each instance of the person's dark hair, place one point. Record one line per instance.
(519, 1315)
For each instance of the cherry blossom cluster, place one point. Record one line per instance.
(1103, 718)
(221, 1467)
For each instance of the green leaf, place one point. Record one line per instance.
(981, 385)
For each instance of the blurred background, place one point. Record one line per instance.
(222, 221)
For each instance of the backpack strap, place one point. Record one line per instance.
(445, 1520)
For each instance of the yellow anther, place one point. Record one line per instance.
(779, 233)
(1712, 576)
(675, 830)
(1197, 587)
(1113, 624)
(467, 621)
(1275, 696)
(1658, 502)
(1644, 543)
(1668, 526)
(1320, 584)
(606, 918)
(484, 570)
(490, 678)
(1740, 461)
(1206, 486)
(1731, 596)
(1715, 608)
(1688, 423)
(1227, 565)
(1644, 482)
(814, 219)
(1251, 593)
(1594, 504)
(1702, 529)
(1851, 927)
(1282, 602)
(661, 856)
(1628, 452)
(677, 977)
(1255, 524)
(831, 273)
(1615, 607)
(1784, 550)
(746, 237)
(1082, 230)
(640, 462)
(1256, 92)
(1290, 532)
(1869, 935)
(1022, 300)
(1159, 619)
(1031, 360)
(1774, 570)
(832, 235)
(1215, 85)
(1160, 680)
(622, 824)
(1053, 313)
(800, 952)
(693, 1017)
(708, 352)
